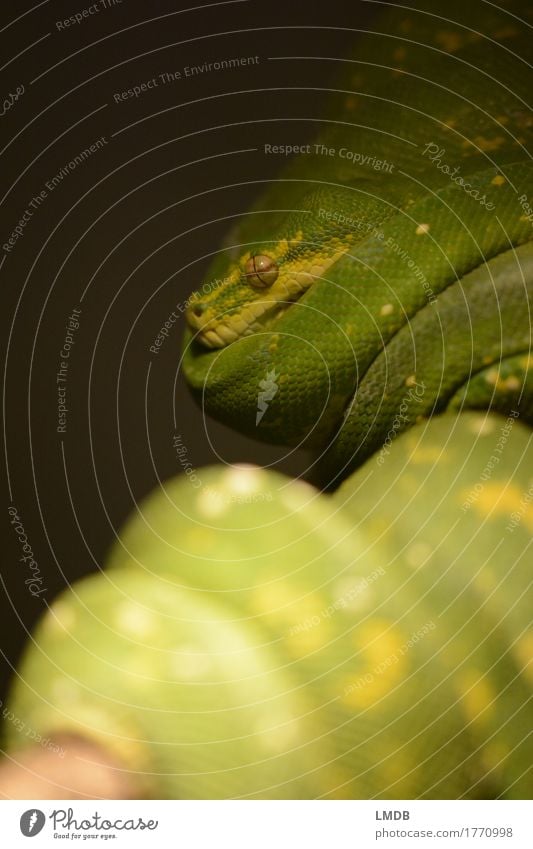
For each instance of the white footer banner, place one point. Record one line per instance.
(268, 824)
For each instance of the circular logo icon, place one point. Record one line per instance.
(32, 822)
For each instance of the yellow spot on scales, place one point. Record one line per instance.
(399, 769)
(499, 180)
(422, 229)
(523, 652)
(386, 309)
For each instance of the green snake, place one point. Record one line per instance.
(253, 637)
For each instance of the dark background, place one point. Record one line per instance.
(132, 228)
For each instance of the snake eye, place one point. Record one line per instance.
(261, 271)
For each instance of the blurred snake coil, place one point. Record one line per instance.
(256, 637)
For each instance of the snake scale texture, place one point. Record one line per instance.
(255, 637)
